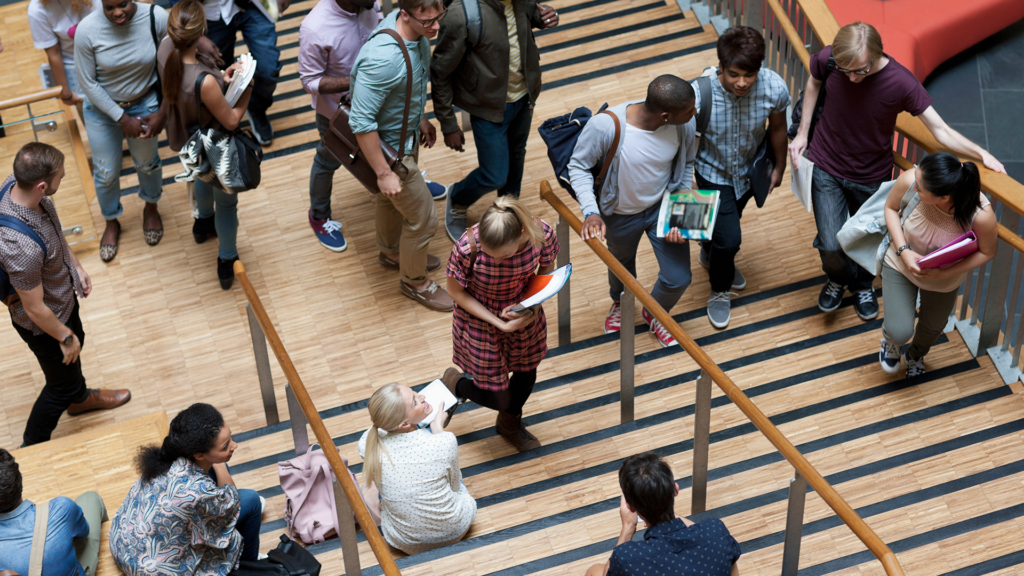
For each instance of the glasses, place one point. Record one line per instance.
(429, 23)
(857, 72)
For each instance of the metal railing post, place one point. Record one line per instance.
(627, 332)
(701, 442)
(998, 283)
(564, 301)
(346, 531)
(259, 350)
(794, 525)
(300, 436)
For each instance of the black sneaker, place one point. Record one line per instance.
(261, 127)
(832, 296)
(866, 304)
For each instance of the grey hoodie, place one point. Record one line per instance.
(594, 143)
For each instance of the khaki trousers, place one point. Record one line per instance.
(406, 224)
(88, 549)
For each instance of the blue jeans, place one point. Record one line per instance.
(834, 200)
(226, 216)
(500, 153)
(105, 137)
(261, 37)
(623, 235)
(249, 520)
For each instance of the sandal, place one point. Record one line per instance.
(108, 251)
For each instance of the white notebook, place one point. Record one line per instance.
(241, 79)
(438, 397)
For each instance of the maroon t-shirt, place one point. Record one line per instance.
(853, 137)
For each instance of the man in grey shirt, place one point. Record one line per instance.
(655, 153)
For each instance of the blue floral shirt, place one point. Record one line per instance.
(177, 523)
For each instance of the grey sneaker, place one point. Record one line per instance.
(739, 282)
(889, 356)
(454, 219)
(914, 367)
(720, 308)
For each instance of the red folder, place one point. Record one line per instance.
(951, 253)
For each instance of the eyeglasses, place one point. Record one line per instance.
(857, 72)
(429, 23)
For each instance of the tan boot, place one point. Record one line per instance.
(511, 427)
(451, 379)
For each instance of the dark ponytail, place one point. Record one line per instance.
(943, 174)
(193, 431)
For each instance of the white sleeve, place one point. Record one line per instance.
(43, 36)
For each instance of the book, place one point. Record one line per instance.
(542, 287)
(439, 398)
(241, 79)
(692, 212)
(951, 253)
(800, 182)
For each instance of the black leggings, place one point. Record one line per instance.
(510, 400)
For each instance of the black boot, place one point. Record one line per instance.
(203, 228)
(226, 272)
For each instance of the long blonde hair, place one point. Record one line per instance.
(853, 40)
(387, 412)
(505, 221)
(76, 5)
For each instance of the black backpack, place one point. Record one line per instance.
(288, 559)
(560, 135)
(6, 290)
(819, 105)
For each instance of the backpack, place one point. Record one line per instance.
(288, 559)
(474, 22)
(560, 135)
(18, 225)
(819, 105)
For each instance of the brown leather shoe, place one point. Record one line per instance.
(433, 262)
(100, 400)
(511, 427)
(451, 379)
(433, 296)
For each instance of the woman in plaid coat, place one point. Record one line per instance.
(487, 273)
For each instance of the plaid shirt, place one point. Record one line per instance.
(736, 128)
(28, 267)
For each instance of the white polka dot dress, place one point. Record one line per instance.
(423, 501)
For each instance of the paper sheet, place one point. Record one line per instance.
(800, 182)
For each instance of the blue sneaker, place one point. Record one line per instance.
(437, 191)
(328, 232)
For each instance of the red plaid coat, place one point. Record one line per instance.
(479, 348)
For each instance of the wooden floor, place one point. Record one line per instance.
(933, 465)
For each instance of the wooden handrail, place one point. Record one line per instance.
(47, 94)
(377, 544)
(794, 37)
(846, 513)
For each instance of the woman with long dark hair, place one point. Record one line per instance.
(951, 204)
(181, 62)
(184, 514)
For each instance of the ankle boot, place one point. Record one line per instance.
(226, 272)
(511, 427)
(203, 229)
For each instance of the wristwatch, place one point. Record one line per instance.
(67, 341)
(902, 248)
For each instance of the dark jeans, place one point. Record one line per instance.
(727, 236)
(321, 175)
(65, 384)
(835, 200)
(623, 234)
(261, 37)
(500, 153)
(510, 400)
(250, 518)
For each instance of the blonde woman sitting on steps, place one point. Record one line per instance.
(423, 502)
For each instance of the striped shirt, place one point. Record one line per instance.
(516, 80)
(736, 128)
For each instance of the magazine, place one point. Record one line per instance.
(542, 287)
(241, 79)
(438, 397)
(692, 212)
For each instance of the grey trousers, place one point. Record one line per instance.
(623, 235)
(88, 549)
(900, 305)
(321, 175)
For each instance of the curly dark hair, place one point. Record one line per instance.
(193, 431)
(10, 482)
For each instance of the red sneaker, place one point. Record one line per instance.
(663, 335)
(614, 320)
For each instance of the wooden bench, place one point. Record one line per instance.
(99, 459)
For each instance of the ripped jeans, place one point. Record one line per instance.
(105, 137)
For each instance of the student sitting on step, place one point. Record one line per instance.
(423, 502)
(487, 273)
(184, 515)
(672, 545)
(72, 544)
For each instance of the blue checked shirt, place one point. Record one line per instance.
(736, 128)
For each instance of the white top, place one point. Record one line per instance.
(424, 504)
(226, 9)
(645, 165)
(50, 24)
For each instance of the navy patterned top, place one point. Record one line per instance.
(673, 549)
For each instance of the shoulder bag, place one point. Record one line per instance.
(341, 141)
(865, 237)
(233, 157)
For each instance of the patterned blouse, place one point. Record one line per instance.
(178, 523)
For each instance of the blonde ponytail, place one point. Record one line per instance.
(387, 412)
(505, 221)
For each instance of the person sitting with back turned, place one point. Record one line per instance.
(72, 528)
(655, 154)
(851, 147)
(672, 545)
(423, 502)
(184, 514)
